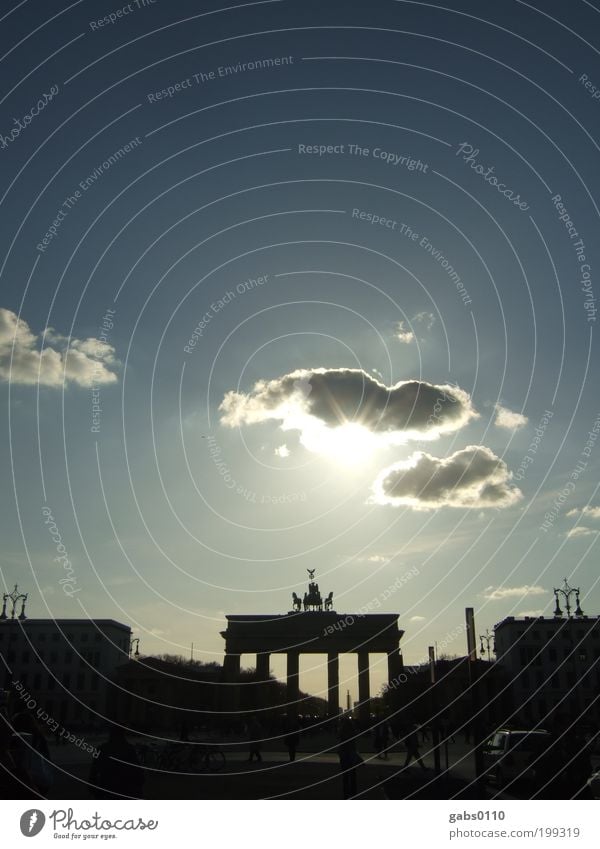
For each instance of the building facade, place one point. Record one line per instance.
(554, 666)
(63, 664)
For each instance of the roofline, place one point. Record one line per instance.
(66, 622)
(547, 620)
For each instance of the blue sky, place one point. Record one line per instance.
(203, 219)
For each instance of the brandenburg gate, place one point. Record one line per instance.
(310, 629)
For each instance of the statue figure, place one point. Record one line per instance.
(329, 601)
(306, 601)
(297, 601)
(311, 573)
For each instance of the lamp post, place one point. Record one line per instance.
(14, 597)
(566, 591)
(488, 639)
(136, 654)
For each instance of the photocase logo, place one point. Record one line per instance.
(32, 822)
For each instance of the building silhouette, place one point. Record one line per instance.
(554, 666)
(63, 664)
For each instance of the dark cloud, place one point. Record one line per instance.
(411, 409)
(473, 477)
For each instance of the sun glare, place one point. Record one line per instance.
(350, 444)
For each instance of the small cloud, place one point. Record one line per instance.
(582, 531)
(378, 558)
(590, 512)
(406, 335)
(426, 318)
(471, 478)
(507, 419)
(499, 593)
(282, 451)
(403, 335)
(56, 362)
(417, 619)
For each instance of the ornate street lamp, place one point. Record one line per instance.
(567, 592)
(488, 639)
(135, 640)
(14, 597)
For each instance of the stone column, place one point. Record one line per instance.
(262, 679)
(395, 668)
(364, 691)
(231, 677)
(293, 682)
(333, 683)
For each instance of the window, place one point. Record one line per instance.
(94, 682)
(25, 657)
(68, 655)
(552, 654)
(53, 657)
(80, 681)
(37, 681)
(67, 680)
(97, 636)
(51, 682)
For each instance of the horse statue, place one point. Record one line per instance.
(329, 601)
(313, 598)
(297, 601)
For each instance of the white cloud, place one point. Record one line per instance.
(417, 619)
(403, 335)
(472, 477)
(499, 593)
(590, 512)
(319, 402)
(507, 419)
(582, 531)
(282, 451)
(406, 334)
(85, 362)
(378, 558)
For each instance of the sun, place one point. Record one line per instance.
(349, 445)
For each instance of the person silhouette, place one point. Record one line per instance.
(292, 738)
(349, 757)
(255, 734)
(411, 741)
